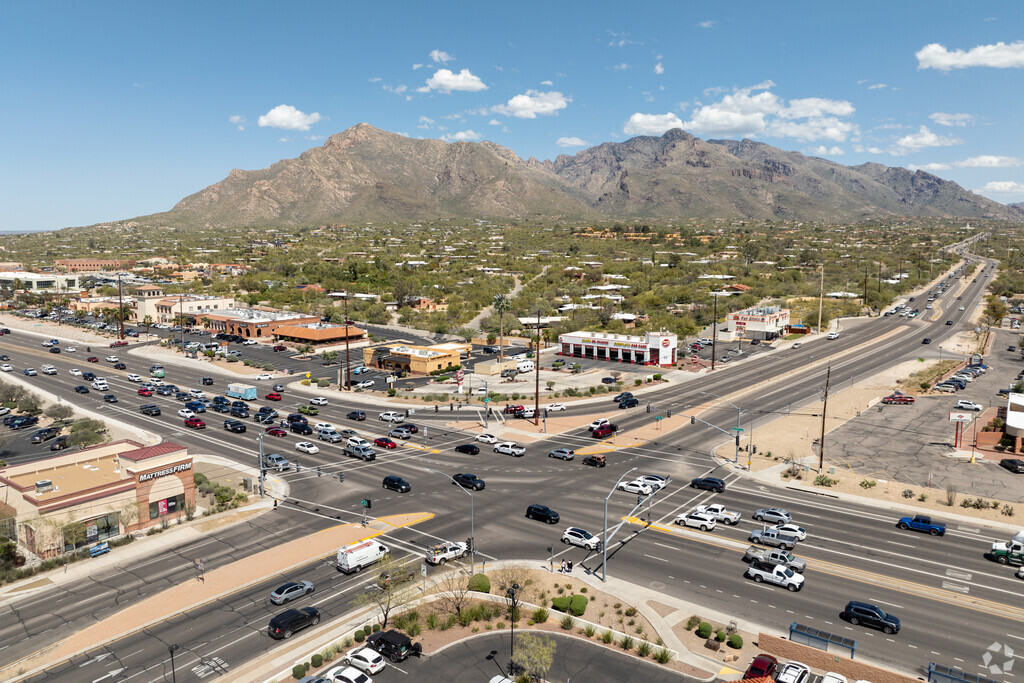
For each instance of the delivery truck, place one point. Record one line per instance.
(245, 392)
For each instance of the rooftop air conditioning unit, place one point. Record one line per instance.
(44, 485)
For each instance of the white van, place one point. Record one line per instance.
(100, 384)
(525, 366)
(353, 557)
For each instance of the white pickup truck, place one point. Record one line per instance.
(775, 574)
(448, 550)
(720, 513)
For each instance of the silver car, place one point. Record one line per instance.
(773, 516)
(563, 453)
(291, 591)
(276, 461)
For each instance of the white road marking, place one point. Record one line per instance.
(905, 545)
(660, 560)
(883, 602)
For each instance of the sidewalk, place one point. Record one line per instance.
(207, 587)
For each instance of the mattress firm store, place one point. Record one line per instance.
(654, 348)
(75, 499)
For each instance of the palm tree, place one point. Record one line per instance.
(501, 304)
(147, 322)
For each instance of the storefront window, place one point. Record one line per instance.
(167, 506)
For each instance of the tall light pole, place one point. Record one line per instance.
(604, 536)
(348, 364)
(472, 537)
(171, 649)
(512, 594)
(738, 428)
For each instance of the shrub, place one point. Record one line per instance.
(432, 621)
(583, 589)
(500, 625)
(561, 604)
(480, 583)
(908, 493)
(607, 637)
(464, 617)
(358, 636)
(631, 612)
(1007, 510)
(644, 648)
(692, 623)
(868, 483)
(304, 382)
(376, 628)
(825, 480)
(704, 630)
(720, 636)
(735, 641)
(923, 497)
(298, 671)
(317, 661)
(566, 623)
(626, 643)
(578, 605)
(413, 629)
(663, 656)
(539, 616)
(323, 383)
(589, 630)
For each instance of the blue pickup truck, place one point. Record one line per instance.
(923, 523)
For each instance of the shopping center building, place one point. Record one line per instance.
(654, 348)
(760, 322)
(82, 497)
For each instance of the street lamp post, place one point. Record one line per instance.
(738, 427)
(171, 649)
(511, 593)
(472, 532)
(604, 536)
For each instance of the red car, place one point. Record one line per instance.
(898, 399)
(763, 666)
(93, 359)
(145, 392)
(273, 396)
(117, 344)
(276, 431)
(195, 423)
(604, 430)
(385, 442)
(512, 410)
(280, 347)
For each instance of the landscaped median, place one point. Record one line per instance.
(206, 587)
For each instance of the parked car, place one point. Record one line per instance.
(762, 666)
(793, 672)
(1013, 464)
(964, 404)
(469, 481)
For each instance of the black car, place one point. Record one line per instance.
(60, 443)
(356, 415)
(297, 417)
(469, 481)
(300, 428)
(239, 412)
(182, 396)
(9, 419)
(120, 366)
(262, 418)
(44, 434)
(88, 376)
(220, 408)
(234, 426)
(870, 615)
(543, 513)
(629, 403)
(1012, 464)
(708, 484)
(926, 340)
(109, 398)
(81, 389)
(288, 622)
(4, 356)
(393, 645)
(623, 396)
(24, 422)
(607, 380)
(470, 448)
(396, 484)
(240, 404)
(206, 381)
(149, 409)
(54, 349)
(408, 425)
(222, 400)
(490, 349)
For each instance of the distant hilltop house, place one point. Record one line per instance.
(422, 303)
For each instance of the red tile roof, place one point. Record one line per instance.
(151, 451)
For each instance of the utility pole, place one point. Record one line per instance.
(866, 282)
(714, 330)
(348, 364)
(120, 307)
(824, 409)
(879, 278)
(821, 296)
(536, 381)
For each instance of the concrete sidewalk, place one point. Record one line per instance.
(206, 587)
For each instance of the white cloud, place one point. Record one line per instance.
(314, 137)
(999, 56)
(376, 79)
(929, 167)
(439, 56)
(707, 24)
(494, 122)
(425, 122)
(532, 103)
(989, 161)
(621, 40)
(659, 68)
(944, 119)
(1003, 187)
(547, 83)
(287, 117)
(651, 124)
(822, 150)
(815, 106)
(445, 81)
(821, 128)
(238, 121)
(284, 139)
(877, 86)
(418, 66)
(620, 67)
(922, 139)
(570, 142)
(462, 135)
(396, 89)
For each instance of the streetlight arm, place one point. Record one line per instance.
(604, 535)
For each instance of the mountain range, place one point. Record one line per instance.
(367, 174)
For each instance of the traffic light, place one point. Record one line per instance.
(668, 413)
(693, 420)
(648, 407)
(341, 477)
(737, 441)
(469, 544)
(753, 450)
(319, 471)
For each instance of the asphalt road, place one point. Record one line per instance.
(853, 551)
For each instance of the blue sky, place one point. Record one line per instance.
(118, 109)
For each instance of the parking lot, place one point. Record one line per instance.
(913, 443)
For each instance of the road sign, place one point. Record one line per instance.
(459, 376)
(423, 570)
(737, 429)
(658, 419)
(366, 503)
(960, 417)
(307, 375)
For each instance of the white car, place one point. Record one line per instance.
(365, 384)
(357, 441)
(655, 481)
(112, 359)
(510, 448)
(318, 401)
(705, 341)
(555, 407)
(263, 375)
(76, 372)
(793, 672)
(961, 308)
(347, 674)
(487, 438)
(720, 514)
(599, 422)
(196, 393)
(581, 537)
(698, 520)
(793, 530)
(186, 413)
(363, 658)
(969, 405)
(153, 383)
(636, 486)
(323, 425)
(832, 678)
(70, 349)
(307, 447)
(249, 342)
(391, 416)
(7, 367)
(832, 335)
(131, 378)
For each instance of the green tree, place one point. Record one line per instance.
(389, 591)
(59, 411)
(30, 404)
(147, 322)
(533, 654)
(87, 432)
(502, 303)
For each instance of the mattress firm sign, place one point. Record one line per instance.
(614, 343)
(174, 469)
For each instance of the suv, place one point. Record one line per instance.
(234, 426)
(150, 409)
(543, 513)
(44, 434)
(870, 615)
(393, 645)
(709, 484)
(288, 622)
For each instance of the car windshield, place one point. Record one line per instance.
(584, 534)
(881, 613)
(788, 572)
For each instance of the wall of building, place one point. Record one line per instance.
(853, 669)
